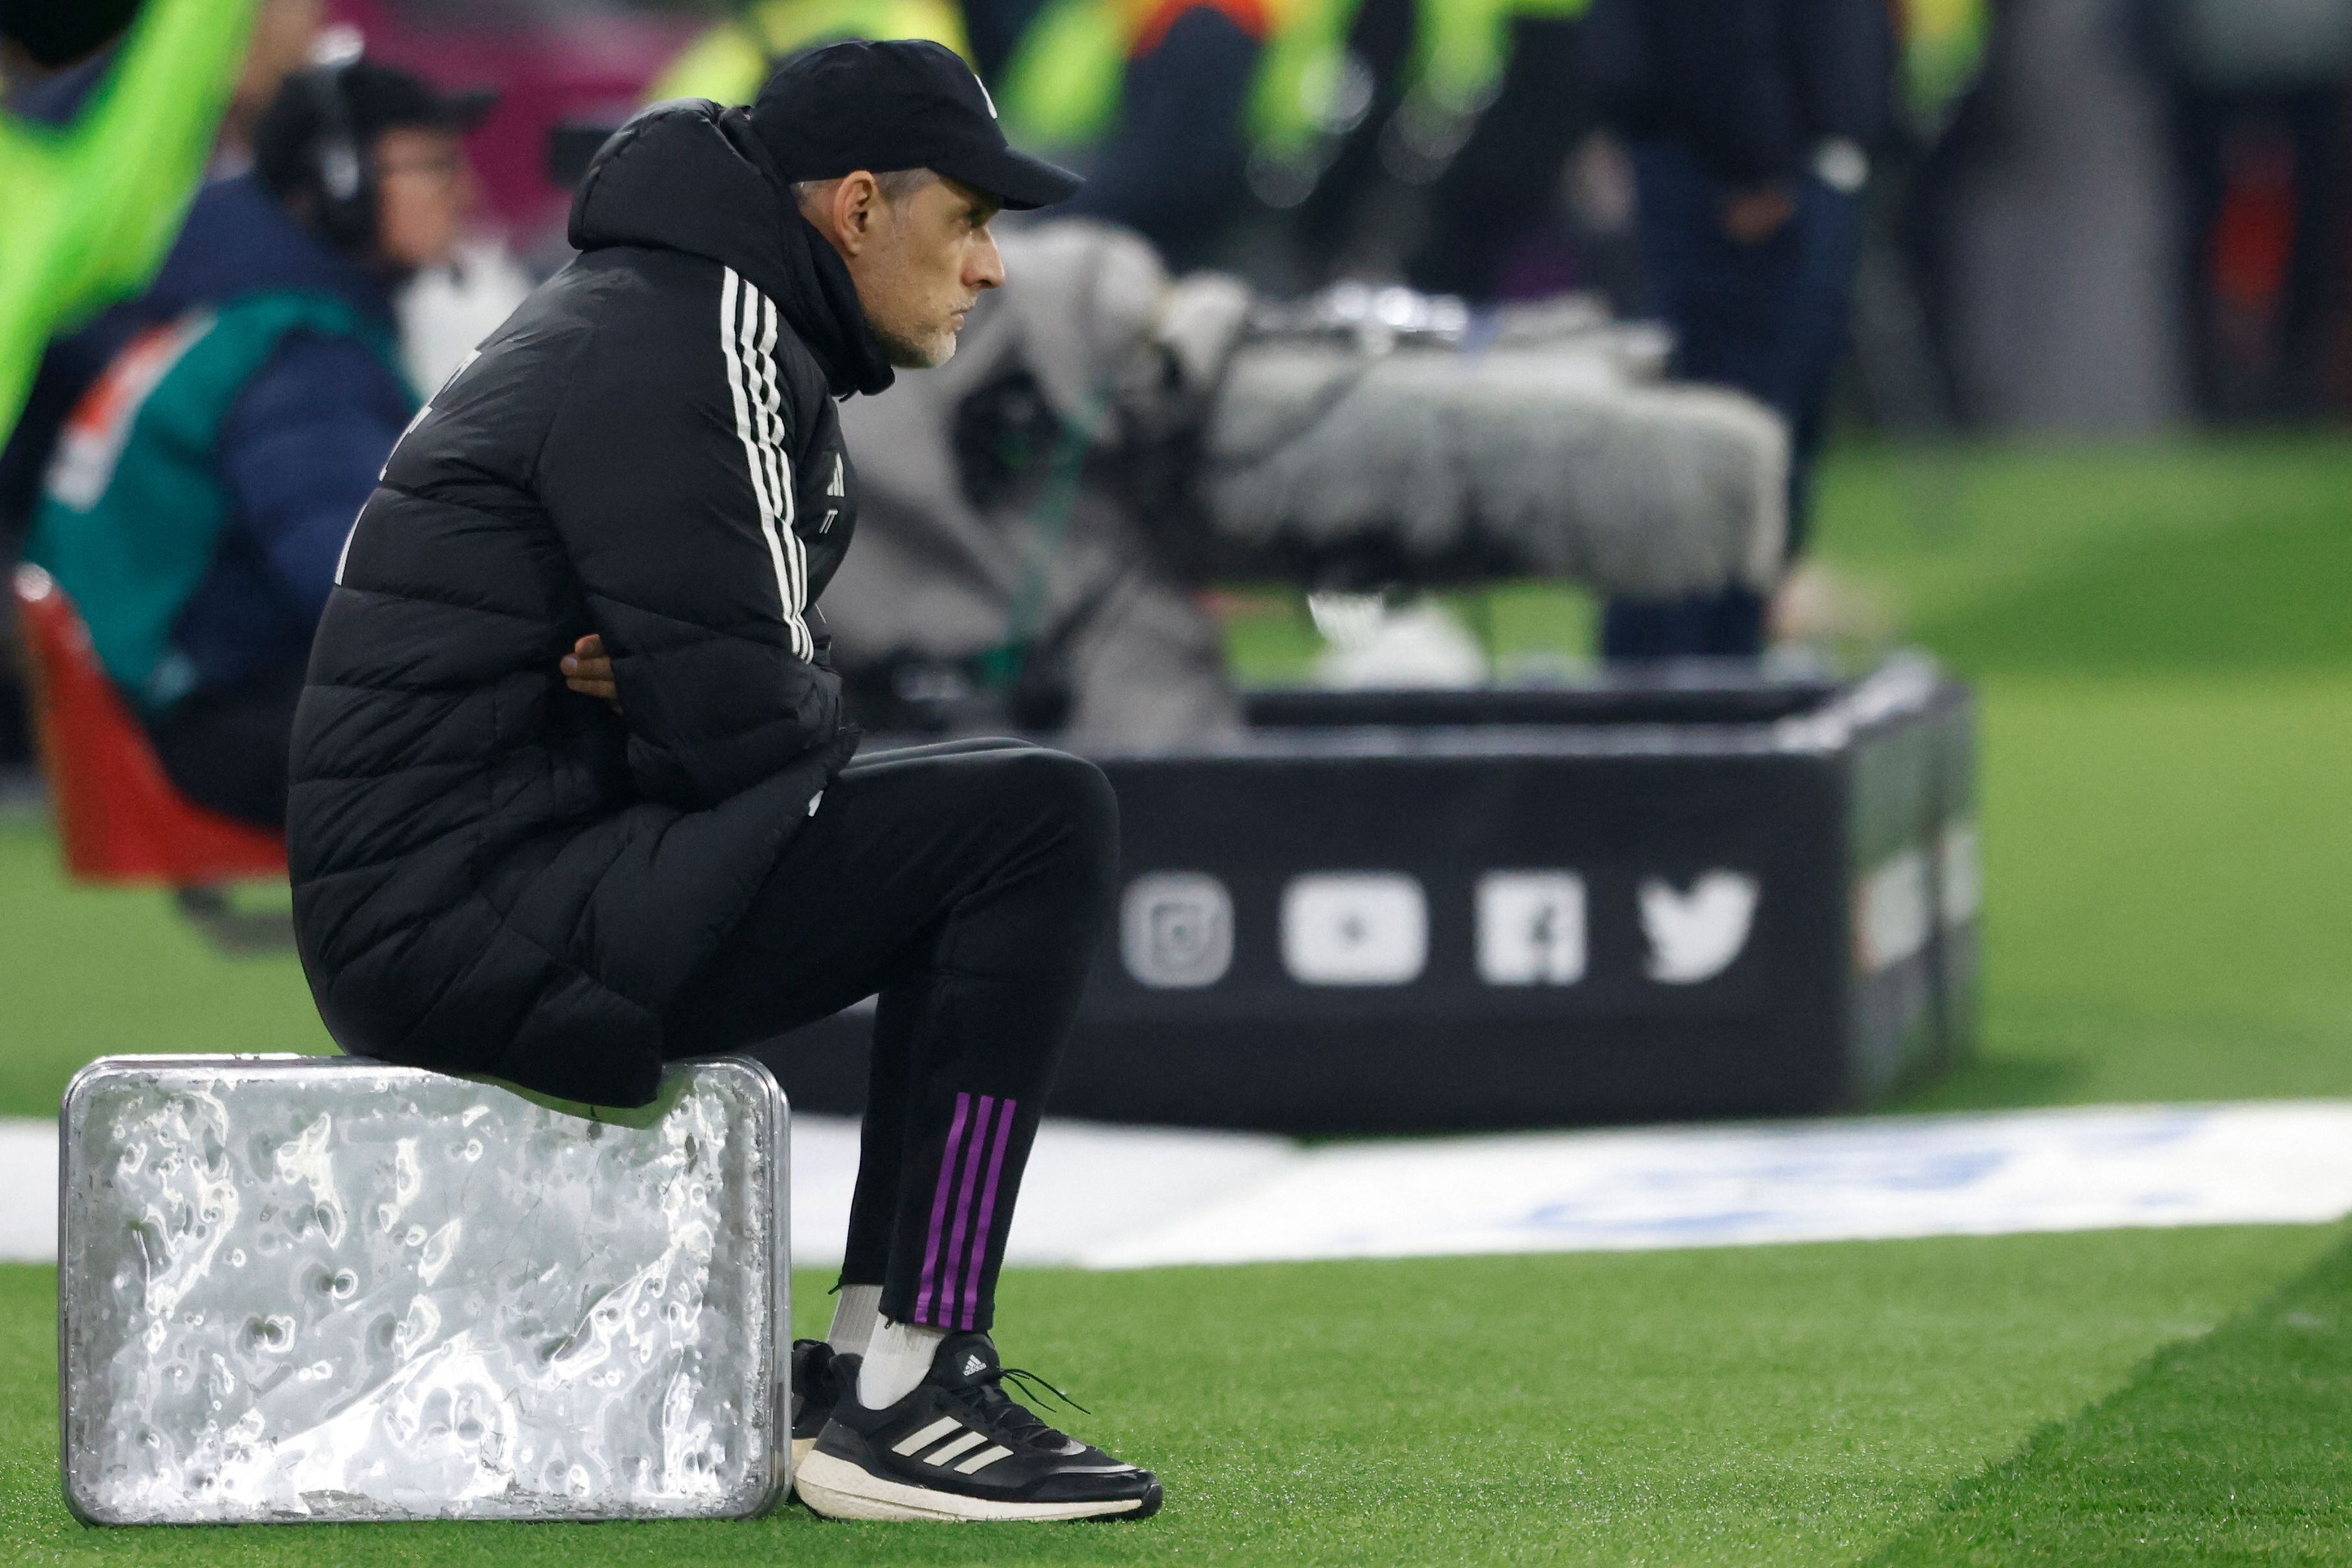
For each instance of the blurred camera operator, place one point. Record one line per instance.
(203, 486)
(1751, 123)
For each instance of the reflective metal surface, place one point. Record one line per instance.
(304, 1288)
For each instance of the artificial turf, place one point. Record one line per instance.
(2159, 642)
(2229, 1449)
(2164, 670)
(1768, 1405)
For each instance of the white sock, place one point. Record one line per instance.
(856, 1310)
(896, 1358)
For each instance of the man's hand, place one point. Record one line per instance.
(1754, 216)
(588, 669)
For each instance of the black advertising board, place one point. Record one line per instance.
(1422, 911)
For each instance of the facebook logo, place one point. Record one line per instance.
(1531, 929)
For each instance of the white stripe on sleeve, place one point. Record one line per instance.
(772, 402)
(731, 289)
(745, 316)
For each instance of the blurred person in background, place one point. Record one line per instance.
(283, 34)
(51, 55)
(203, 484)
(1752, 123)
(40, 48)
(2258, 106)
(729, 61)
(1161, 103)
(1425, 138)
(281, 38)
(1497, 202)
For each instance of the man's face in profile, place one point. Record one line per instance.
(926, 257)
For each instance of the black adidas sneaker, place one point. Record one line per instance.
(960, 1447)
(820, 1379)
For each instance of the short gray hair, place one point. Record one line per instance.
(896, 185)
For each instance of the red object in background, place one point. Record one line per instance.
(593, 61)
(2253, 234)
(1249, 15)
(118, 818)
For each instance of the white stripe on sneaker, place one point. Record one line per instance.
(927, 1435)
(982, 1460)
(946, 1452)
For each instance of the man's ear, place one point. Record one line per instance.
(856, 199)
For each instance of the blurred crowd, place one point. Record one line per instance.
(1923, 214)
(2041, 179)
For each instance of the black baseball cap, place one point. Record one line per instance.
(904, 103)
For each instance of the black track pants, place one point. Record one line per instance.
(965, 885)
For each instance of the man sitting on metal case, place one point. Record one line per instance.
(641, 477)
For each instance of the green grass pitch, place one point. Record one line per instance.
(2161, 645)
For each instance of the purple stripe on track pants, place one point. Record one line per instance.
(946, 1318)
(987, 1213)
(939, 1207)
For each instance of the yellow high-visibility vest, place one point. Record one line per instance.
(1943, 50)
(92, 207)
(1062, 88)
(731, 61)
(1461, 48)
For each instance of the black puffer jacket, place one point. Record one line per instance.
(492, 874)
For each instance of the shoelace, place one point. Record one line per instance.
(1014, 1418)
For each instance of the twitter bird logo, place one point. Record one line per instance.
(1695, 936)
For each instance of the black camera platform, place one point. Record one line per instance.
(1702, 893)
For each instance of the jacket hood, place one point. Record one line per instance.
(692, 177)
(237, 240)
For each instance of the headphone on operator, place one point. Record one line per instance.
(345, 174)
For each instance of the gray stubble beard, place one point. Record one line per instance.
(911, 356)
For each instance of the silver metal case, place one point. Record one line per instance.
(319, 1289)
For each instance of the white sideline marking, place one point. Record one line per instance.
(1124, 1197)
(28, 1192)
(1087, 1185)
(2092, 1169)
